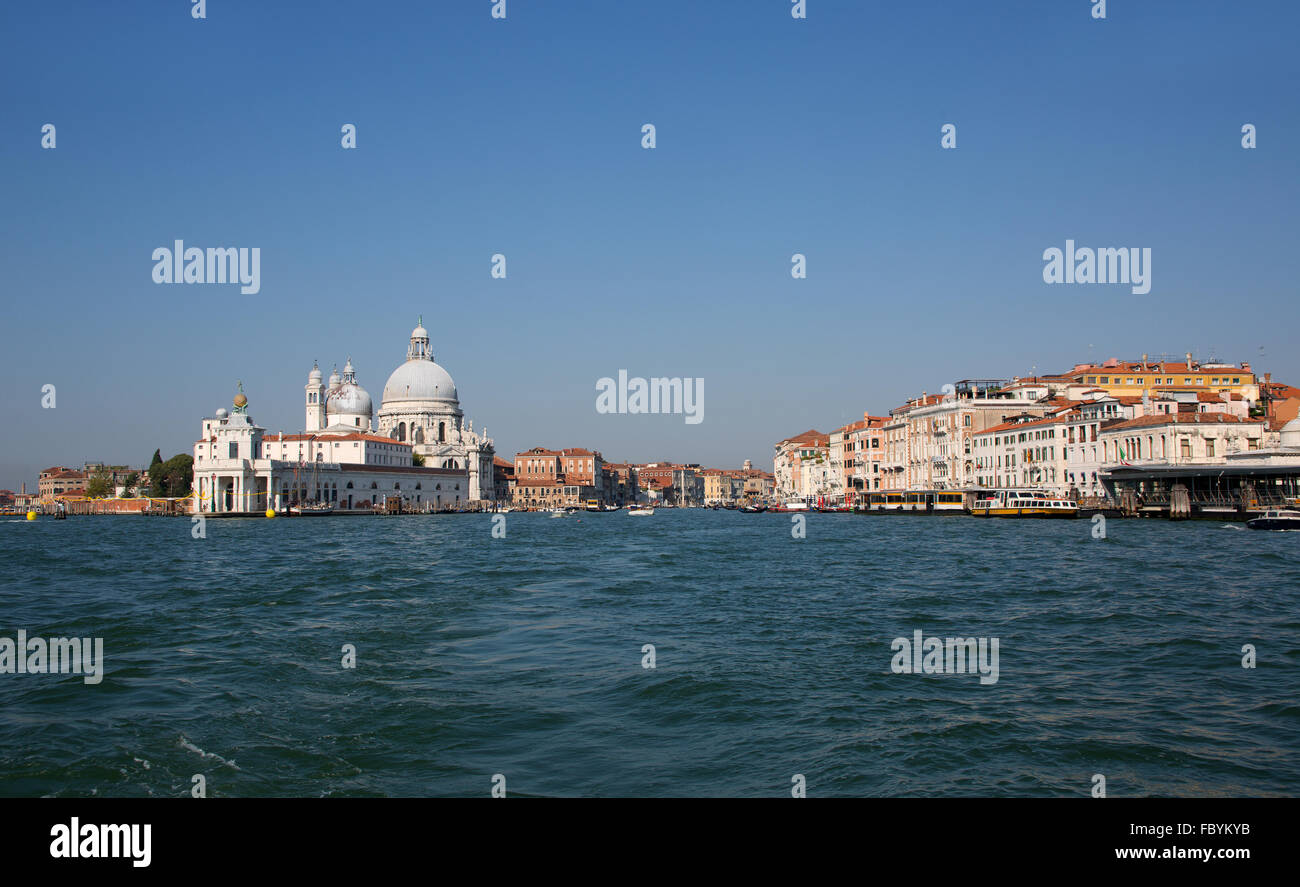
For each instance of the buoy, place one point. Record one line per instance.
(270, 512)
(31, 515)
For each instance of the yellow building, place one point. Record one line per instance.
(1136, 378)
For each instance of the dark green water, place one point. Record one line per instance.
(523, 656)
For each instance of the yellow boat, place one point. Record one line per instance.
(1023, 503)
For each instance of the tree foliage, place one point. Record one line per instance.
(171, 478)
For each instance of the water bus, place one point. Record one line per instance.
(1023, 503)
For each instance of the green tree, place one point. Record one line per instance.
(417, 459)
(100, 484)
(155, 474)
(171, 478)
(129, 483)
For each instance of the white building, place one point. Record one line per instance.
(239, 468)
(420, 407)
(339, 459)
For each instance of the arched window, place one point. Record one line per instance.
(401, 431)
(349, 485)
(442, 432)
(373, 485)
(397, 486)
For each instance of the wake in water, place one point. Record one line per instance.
(189, 746)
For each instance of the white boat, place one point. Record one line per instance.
(1276, 519)
(1023, 503)
(640, 511)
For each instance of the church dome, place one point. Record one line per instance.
(348, 398)
(1291, 433)
(419, 379)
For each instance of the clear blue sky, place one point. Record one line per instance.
(522, 137)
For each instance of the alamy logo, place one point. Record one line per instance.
(638, 395)
(90, 841)
(55, 656)
(1107, 265)
(933, 655)
(219, 265)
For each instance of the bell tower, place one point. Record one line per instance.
(315, 400)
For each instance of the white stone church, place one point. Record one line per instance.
(339, 459)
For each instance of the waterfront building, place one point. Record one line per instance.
(864, 455)
(421, 407)
(622, 482)
(60, 481)
(560, 478)
(801, 465)
(1136, 378)
(239, 468)
(759, 485)
(1185, 438)
(1023, 452)
(503, 479)
(930, 440)
(656, 479)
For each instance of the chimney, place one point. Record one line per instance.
(1144, 363)
(1189, 360)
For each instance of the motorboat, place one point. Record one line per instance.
(1276, 519)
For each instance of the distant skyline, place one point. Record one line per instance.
(523, 137)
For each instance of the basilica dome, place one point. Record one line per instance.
(419, 379)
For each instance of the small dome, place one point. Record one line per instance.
(222, 413)
(349, 399)
(315, 376)
(335, 379)
(1291, 433)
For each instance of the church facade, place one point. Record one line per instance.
(341, 461)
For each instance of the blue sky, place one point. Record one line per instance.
(522, 137)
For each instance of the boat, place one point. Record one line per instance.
(1276, 519)
(753, 509)
(311, 509)
(1023, 503)
(638, 512)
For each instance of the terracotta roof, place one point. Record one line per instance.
(324, 437)
(1033, 423)
(1182, 419)
(811, 436)
(538, 451)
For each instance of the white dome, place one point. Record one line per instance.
(349, 399)
(419, 380)
(1291, 433)
(314, 376)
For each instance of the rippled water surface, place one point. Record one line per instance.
(523, 656)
